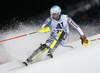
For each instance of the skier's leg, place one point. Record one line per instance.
(55, 44)
(37, 52)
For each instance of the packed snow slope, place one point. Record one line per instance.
(80, 59)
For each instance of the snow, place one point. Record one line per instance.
(80, 59)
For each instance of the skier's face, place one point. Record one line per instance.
(56, 18)
(55, 14)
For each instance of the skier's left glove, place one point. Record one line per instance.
(45, 29)
(84, 41)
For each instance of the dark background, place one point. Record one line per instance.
(22, 10)
(28, 8)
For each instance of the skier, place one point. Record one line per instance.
(60, 30)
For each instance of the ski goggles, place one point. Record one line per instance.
(55, 14)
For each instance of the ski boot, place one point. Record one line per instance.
(50, 55)
(27, 62)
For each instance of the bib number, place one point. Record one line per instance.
(59, 25)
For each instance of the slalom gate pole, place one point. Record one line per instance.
(94, 39)
(19, 36)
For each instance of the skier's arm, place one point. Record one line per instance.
(75, 26)
(45, 26)
(78, 29)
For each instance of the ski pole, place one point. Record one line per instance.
(94, 39)
(44, 30)
(20, 36)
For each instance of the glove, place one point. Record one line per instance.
(84, 41)
(45, 29)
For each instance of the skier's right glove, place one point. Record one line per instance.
(84, 41)
(45, 29)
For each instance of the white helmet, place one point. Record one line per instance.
(55, 11)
